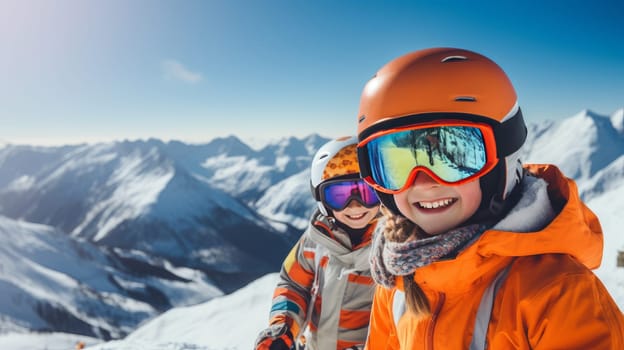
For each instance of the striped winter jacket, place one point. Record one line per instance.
(323, 260)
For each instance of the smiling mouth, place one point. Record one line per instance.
(436, 204)
(356, 217)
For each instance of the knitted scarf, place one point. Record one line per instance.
(390, 259)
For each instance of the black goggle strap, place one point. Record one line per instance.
(508, 137)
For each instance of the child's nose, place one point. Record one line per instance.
(354, 204)
(422, 179)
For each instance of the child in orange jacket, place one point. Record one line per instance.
(477, 250)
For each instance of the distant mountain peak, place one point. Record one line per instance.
(595, 144)
(617, 120)
(587, 113)
(230, 139)
(149, 141)
(230, 145)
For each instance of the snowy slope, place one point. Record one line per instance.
(51, 281)
(144, 195)
(45, 341)
(229, 322)
(580, 145)
(105, 185)
(287, 200)
(605, 193)
(142, 206)
(248, 175)
(617, 119)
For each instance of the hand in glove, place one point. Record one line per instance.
(276, 337)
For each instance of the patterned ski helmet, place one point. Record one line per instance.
(336, 158)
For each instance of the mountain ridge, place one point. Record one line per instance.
(170, 217)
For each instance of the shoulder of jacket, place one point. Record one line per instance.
(557, 272)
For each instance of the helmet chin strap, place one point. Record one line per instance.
(493, 203)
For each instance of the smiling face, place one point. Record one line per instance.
(438, 208)
(355, 215)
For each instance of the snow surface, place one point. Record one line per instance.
(617, 119)
(609, 208)
(43, 269)
(44, 341)
(229, 322)
(285, 201)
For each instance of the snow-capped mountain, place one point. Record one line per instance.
(617, 119)
(172, 200)
(53, 282)
(285, 201)
(248, 174)
(145, 208)
(580, 146)
(587, 147)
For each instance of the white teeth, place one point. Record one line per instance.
(356, 217)
(436, 204)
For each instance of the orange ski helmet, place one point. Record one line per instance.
(447, 83)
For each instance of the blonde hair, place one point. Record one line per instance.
(400, 229)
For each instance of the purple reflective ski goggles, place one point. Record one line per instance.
(337, 194)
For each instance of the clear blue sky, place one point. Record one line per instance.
(86, 70)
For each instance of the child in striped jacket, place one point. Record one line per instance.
(324, 295)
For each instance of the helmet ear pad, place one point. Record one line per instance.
(388, 201)
(491, 185)
(317, 197)
(499, 188)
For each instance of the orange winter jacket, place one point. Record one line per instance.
(549, 300)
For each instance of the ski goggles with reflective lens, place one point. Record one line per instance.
(337, 194)
(452, 152)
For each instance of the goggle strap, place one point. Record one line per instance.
(362, 154)
(508, 138)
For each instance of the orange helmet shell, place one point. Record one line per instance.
(437, 80)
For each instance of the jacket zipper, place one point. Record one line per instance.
(434, 318)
